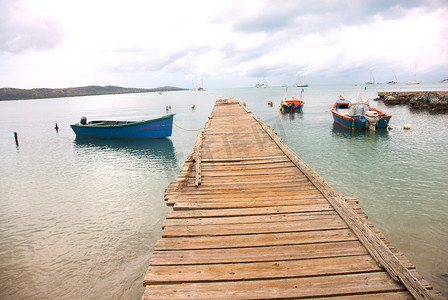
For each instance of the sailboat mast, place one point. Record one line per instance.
(415, 73)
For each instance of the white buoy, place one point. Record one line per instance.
(407, 126)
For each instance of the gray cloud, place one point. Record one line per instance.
(326, 41)
(299, 17)
(282, 22)
(22, 30)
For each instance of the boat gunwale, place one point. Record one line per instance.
(381, 114)
(296, 100)
(121, 125)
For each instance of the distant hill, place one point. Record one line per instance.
(19, 94)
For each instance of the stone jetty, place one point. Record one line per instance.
(434, 101)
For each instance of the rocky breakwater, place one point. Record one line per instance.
(434, 101)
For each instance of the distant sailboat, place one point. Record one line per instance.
(372, 79)
(201, 88)
(415, 77)
(262, 85)
(393, 81)
(300, 83)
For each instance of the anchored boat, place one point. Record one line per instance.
(292, 104)
(148, 129)
(357, 114)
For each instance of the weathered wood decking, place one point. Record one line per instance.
(251, 220)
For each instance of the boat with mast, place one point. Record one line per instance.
(201, 88)
(300, 83)
(393, 81)
(292, 104)
(415, 77)
(372, 79)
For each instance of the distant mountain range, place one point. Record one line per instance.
(20, 94)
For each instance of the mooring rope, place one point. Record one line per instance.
(188, 129)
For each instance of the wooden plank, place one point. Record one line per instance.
(240, 172)
(192, 201)
(190, 193)
(266, 177)
(266, 190)
(247, 184)
(223, 204)
(239, 159)
(257, 254)
(247, 219)
(261, 270)
(249, 211)
(248, 162)
(331, 222)
(260, 167)
(402, 295)
(335, 285)
(255, 240)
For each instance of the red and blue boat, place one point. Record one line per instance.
(357, 114)
(292, 104)
(161, 127)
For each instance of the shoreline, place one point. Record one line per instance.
(9, 94)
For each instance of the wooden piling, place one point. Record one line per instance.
(16, 139)
(252, 220)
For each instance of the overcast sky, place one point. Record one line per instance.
(219, 44)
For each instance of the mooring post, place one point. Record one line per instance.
(15, 137)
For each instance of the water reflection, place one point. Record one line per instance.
(291, 115)
(155, 148)
(340, 131)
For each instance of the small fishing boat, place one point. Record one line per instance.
(357, 114)
(292, 104)
(148, 129)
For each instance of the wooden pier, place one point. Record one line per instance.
(251, 220)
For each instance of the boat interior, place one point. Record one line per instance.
(110, 122)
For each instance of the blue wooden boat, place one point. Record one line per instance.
(357, 114)
(148, 129)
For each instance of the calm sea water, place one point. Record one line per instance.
(79, 217)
